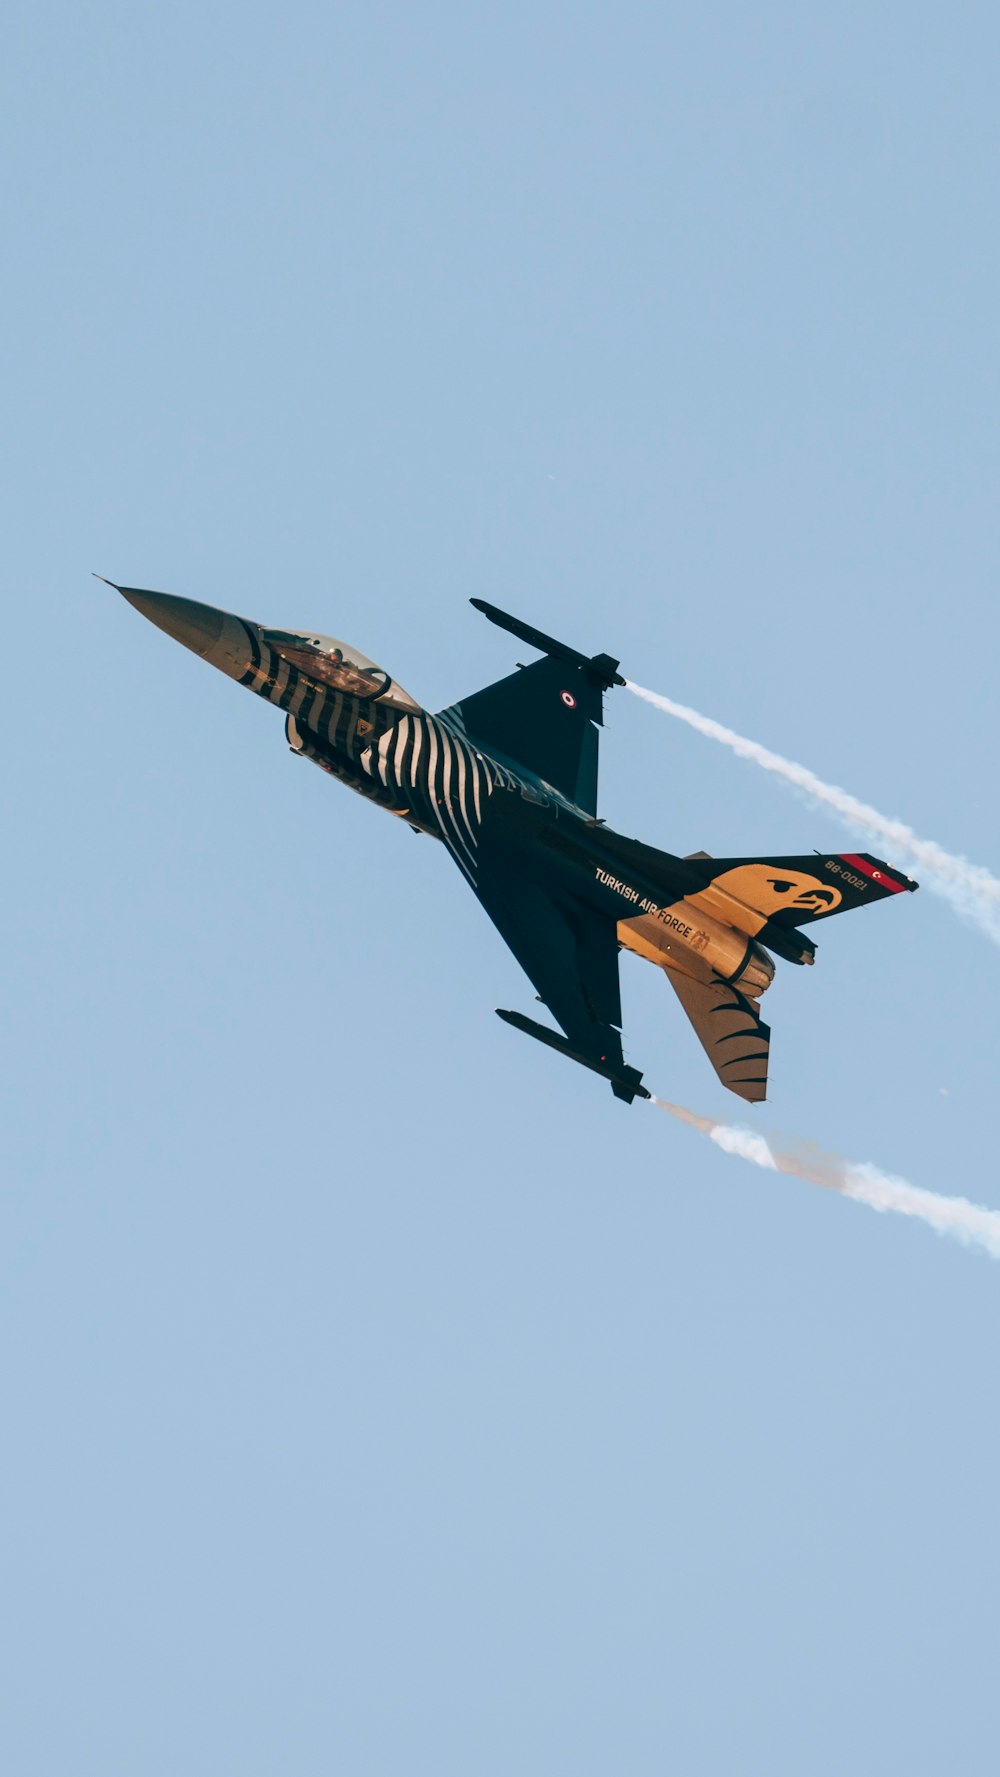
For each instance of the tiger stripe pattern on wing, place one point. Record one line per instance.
(415, 765)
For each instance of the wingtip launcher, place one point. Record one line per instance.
(626, 1082)
(600, 667)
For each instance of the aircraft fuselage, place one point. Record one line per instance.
(564, 890)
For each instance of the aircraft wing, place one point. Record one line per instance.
(730, 1030)
(570, 954)
(543, 716)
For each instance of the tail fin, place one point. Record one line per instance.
(789, 892)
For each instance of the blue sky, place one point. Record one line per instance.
(379, 1394)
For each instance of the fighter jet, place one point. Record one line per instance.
(506, 779)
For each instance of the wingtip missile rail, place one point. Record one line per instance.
(626, 1082)
(601, 667)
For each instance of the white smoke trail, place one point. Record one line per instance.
(973, 891)
(956, 1216)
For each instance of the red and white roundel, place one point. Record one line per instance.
(568, 699)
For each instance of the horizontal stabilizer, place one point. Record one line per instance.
(730, 1030)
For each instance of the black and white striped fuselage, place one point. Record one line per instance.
(415, 765)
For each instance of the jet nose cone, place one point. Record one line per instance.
(198, 627)
(222, 640)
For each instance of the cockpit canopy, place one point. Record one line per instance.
(337, 665)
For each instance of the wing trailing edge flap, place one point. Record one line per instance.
(730, 1030)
